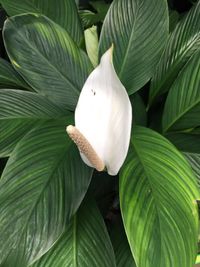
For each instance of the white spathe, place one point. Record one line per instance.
(104, 115)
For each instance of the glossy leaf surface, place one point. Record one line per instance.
(122, 250)
(84, 243)
(138, 29)
(63, 12)
(20, 111)
(158, 193)
(182, 106)
(9, 78)
(58, 67)
(182, 44)
(41, 187)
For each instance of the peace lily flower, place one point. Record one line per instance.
(103, 119)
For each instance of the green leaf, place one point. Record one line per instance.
(182, 106)
(101, 7)
(90, 18)
(91, 43)
(63, 12)
(9, 78)
(173, 19)
(138, 29)
(41, 188)
(139, 110)
(14, 260)
(186, 142)
(158, 195)
(58, 67)
(85, 242)
(189, 144)
(20, 111)
(194, 161)
(122, 250)
(182, 44)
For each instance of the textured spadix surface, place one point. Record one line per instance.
(104, 114)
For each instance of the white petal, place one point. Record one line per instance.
(104, 114)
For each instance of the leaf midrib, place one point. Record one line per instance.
(182, 114)
(129, 42)
(59, 160)
(75, 264)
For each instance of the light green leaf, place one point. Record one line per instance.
(198, 259)
(138, 29)
(158, 193)
(58, 67)
(41, 188)
(122, 250)
(63, 12)
(9, 78)
(182, 44)
(85, 242)
(91, 43)
(182, 107)
(21, 111)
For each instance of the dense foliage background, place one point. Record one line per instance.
(152, 159)
(180, 6)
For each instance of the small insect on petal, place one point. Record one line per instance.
(103, 116)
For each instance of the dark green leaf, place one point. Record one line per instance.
(194, 161)
(20, 111)
(122, 250)
(41, 187)
(104, 188)
(58, 67)
(138, 29)
(63, 12)
(158, 193)
(182, 44)
(173, 19)
(101, 7)
(90, 18)
(139, 110)
(85, 242)
(9, 78)
(186, 142)
(182, 107)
